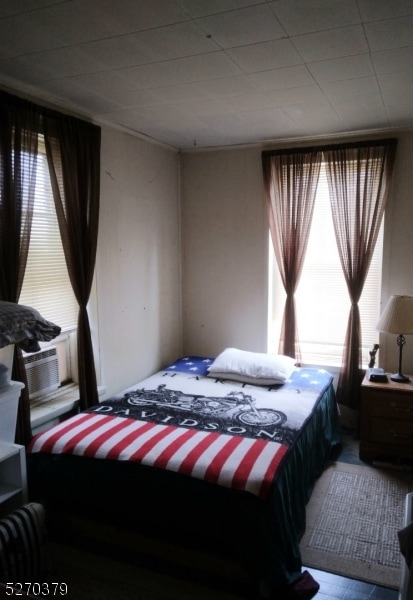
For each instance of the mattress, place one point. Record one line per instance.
(181, 451)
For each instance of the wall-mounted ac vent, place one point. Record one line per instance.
(42, 370)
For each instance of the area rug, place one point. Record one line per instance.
(352, 521)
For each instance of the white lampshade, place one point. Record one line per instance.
(397, 316)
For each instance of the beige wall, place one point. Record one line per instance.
(398, 249)
(225, 242)
(136, 311)
(224, 245)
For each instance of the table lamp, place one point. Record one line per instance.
(397, 317)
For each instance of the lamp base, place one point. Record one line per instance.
(399, 378)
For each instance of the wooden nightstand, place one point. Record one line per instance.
(386, 420)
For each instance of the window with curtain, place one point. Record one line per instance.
(46, 284)
(322, 299)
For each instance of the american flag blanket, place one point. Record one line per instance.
(227, 433)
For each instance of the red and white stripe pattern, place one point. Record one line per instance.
(230, 461)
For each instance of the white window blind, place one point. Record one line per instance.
(46, 285)
(322, 299)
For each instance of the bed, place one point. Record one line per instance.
(199, 456)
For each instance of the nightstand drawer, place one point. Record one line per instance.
(390, 406)
(386, 431)
(386, 420)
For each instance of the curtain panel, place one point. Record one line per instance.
(290, 184)
(73, 150)
(359, 178)
(19, 126)
(73, 155)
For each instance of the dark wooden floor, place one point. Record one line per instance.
(335, 587)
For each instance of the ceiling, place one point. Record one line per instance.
(211, 73)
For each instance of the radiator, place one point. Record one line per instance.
(42, 370)
(24, 550)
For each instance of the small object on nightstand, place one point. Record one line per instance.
(377, 375)
(373, 353)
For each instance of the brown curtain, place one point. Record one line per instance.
(290, 183)
(359, 177)
(19, 126)
(73, 154)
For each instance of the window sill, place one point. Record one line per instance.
(47, 411)
(53, 406)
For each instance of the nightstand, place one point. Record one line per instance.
(386, 420)
(13, 478)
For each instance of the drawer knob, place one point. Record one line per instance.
(394, 406)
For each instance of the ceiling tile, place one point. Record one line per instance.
(156, 75)
(290, 97)
(208, 89)
(393, 60)
(250, 25)
(64, 91)
(398, 108)
(180, 93)
(26, 33)
(288, 77)
(314, 119)
(23, 69)
(300, 16)
(400, 80)
(270, 120)
(14, 7)
(177, 41)
(134, 15)
(209, 106)
(231, 86)
(150, 47)
(128, 99)
(370, 113)
(391, 33)
(213, 65)
(195, 8)
(340, 69)
(103, 82)
(62, 62)
(58, 24)
(265, 56)
(118, 52)
(375, 10)
(331, 44)
(247, 102)
(350, 88)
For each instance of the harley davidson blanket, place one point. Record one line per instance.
(224, 432)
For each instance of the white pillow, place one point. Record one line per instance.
(252, 367)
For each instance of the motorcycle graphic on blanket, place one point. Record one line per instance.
(239, 405)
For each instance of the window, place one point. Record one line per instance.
(46, 285)
(322, 299)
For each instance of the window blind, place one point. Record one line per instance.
(46, 285)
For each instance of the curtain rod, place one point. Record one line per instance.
(338, 146)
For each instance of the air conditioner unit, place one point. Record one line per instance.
(42, 371)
